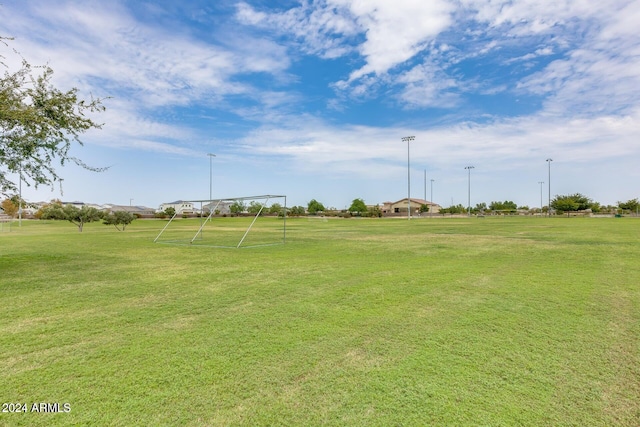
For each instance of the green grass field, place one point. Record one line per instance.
(494, 321)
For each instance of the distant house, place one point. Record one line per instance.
(79, 205)
(139, 211)
(222, 208)
(181, 207)
(400, 207)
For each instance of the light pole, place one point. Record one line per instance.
(469, 189)
(408, 139)
(431, 207)
(549, 160)
(541, 182)
(425, 184)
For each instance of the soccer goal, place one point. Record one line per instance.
(230, 223)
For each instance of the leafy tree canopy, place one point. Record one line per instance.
(38, 125)
(296, 211)
(255, 207)
(9, 207)
(275, 208)
(571, 203)
(118, 219)
(314, 206)
(77, 216)
(358, 207)
(507, 205)
(453, 209)
(629, 205)
(237, 207)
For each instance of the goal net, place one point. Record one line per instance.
(229, 223)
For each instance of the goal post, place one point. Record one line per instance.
(225, 232)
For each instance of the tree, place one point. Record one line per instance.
(314, 206)
(506, 206)
(357, 207)
(39, 123)
(9, 207)
(424, 208)
(170, 211)
(275, 209)
(117, 218)
(76, 216)
(237, 207)
(255, 207)
(453, 209)
(375, 211)
(571, 203)
(296, 211)
(629, 205)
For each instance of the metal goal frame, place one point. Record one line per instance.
(264, 198)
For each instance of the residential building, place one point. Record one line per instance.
(400, 207)
(182, 207)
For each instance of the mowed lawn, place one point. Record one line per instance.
(480, 321)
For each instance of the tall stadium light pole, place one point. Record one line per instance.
(431, 206)
(425, 186)
(408, 139)
(549, 160)
(541, 182)
(469, 189)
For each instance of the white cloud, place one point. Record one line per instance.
(101, 40)
(396, 31)
(501, 144)
(392, 32)
(426, 85)
(322, 28)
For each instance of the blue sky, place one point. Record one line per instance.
(310, 99)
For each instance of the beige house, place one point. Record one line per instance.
(182, 207)
(400, 207)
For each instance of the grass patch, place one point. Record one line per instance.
(516, 321)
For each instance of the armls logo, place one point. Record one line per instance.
(50, 407)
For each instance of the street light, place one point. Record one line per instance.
(549, 160)
(540, 182)
(408, 139)
(431, 207)
(469, 187)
